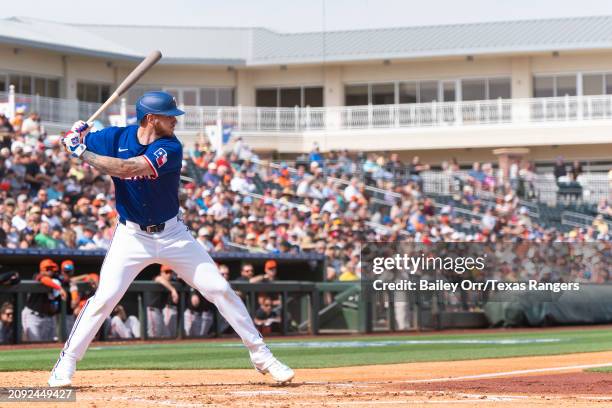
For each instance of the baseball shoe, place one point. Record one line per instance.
(280, 372)
(61, 375)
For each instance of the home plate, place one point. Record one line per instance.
(258, 392)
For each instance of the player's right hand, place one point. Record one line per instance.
(73, 144)
(175, 297)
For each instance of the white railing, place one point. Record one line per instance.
(56, 110)
(446, 114)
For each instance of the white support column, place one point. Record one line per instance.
(11, 102)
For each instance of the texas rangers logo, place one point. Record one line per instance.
(161, 157)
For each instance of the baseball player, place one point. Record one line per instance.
(144, 162)
(161, 308)
(38, 314)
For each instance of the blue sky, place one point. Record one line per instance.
(300, 15)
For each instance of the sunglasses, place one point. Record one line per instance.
(8, 314)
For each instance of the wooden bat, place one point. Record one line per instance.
(127, 83)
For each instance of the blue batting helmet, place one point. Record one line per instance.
(157, 103)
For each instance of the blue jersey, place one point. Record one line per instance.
(143, 200)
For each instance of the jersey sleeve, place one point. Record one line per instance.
(102, 142)
(165, 156)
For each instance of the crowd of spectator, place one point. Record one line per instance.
(319, 205)
(50, 201)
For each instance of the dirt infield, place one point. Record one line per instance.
(509, 382)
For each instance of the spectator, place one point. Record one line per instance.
(123, 326)
(576, 170)
(43, 239)
(40, 308)
(559, 168)
(415, 169)
(31, 128)
(476, 176)
(199, 315)
(6, 323)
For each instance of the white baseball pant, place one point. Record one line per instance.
(197, 324)
(37, 327)
(161, 322)
(130, 329)
(131, 250)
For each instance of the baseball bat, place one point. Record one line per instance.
(127, 83)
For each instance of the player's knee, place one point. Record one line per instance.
(218, 289)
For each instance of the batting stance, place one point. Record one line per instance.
(145, 162)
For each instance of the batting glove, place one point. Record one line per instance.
(72, 143)
(80, 127)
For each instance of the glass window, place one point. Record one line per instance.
(609, 84)
(543, 87)
(26, 85)
(88, 92)
(383, 94)
(408, 92)
(566, 85)
(53, 88)
(226, 97)
(3, 84)
(500, 88)
(190, 97)
(448, 92)
(208, 97)
(104, 93)
(593, 84)
(356, 95)
(39, 87)
(14, 80)
(266, 98)
(290, 97)
(473, 89)
(428, 91)
(80, 91)
(313, 97)
(92, 92)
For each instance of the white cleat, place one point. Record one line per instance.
(280, 372)
(61, 375)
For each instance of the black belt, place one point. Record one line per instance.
(151, 229)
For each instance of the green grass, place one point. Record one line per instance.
(216, 355)
(607, 369)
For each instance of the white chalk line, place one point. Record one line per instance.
(510, 373)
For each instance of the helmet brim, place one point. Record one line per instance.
(171, 112)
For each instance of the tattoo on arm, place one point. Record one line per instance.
(132, 167)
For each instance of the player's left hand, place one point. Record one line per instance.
(73, 145)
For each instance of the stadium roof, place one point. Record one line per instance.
(260, 46)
